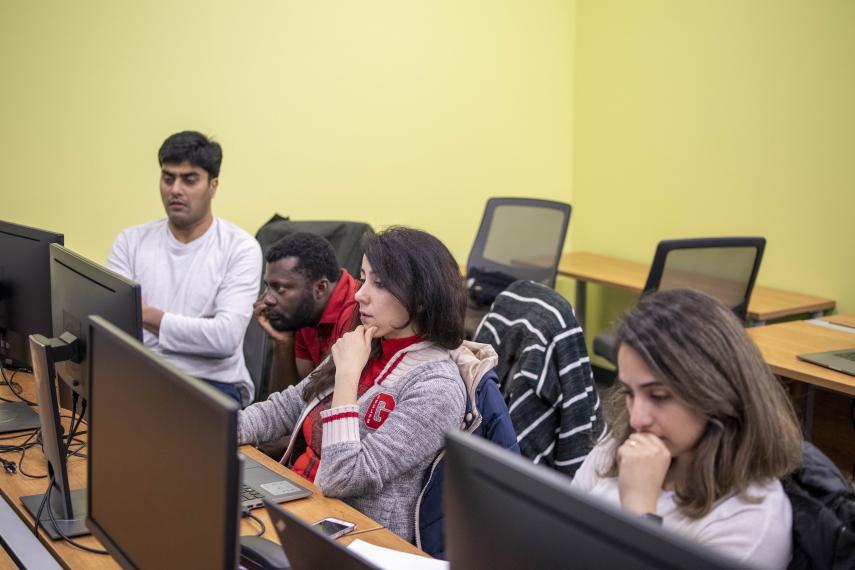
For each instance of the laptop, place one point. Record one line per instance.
(308, 548)
(260, 483)
(842, 360)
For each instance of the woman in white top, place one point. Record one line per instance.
(700, 432)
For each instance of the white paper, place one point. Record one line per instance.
(389, 559)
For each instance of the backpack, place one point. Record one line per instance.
(823, 504)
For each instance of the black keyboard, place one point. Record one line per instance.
(247, 493)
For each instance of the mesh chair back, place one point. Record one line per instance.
(724, 268)
(522, 237)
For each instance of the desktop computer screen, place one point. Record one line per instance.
(24, 289)
(79, 288)
(163, 468)
(501, 511)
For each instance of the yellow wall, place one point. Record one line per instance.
(388, 112)
(707, 117)
(712, 117)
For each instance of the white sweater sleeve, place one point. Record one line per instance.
(219, 336)
(119, 258)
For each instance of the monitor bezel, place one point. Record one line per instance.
(44, 238)
(181, 381)
(102, 277)
(471, 462)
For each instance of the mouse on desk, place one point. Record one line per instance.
(258, 553)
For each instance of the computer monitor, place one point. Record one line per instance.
(163, 468)
(502, 511)
(24, 307)
(24, 289)
(79, 288)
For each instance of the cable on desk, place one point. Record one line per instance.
(22, 447)
(9, 382)
(73, 427)
(16, 436)
(23, 454)
(73, 543)
(45, 498)
(74, 397)
(258, 521)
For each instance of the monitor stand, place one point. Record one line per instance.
(67, 507)
(70, 527)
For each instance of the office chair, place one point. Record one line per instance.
(347, 239)
(544, 374)
(519, 238)
(725, 268)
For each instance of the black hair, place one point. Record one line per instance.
(315, 256)
(420, 272)
(195, 148)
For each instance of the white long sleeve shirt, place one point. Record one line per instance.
(757, 533)
(206, 289)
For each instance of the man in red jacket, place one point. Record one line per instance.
(307, 304)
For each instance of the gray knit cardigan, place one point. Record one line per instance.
(377, 471)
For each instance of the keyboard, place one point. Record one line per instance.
(249, 497)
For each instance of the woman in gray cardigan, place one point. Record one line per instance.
(367, 423)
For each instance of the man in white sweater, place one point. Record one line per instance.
(199, 274)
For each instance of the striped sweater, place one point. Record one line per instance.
(545, 374)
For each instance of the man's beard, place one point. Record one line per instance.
(301, 318)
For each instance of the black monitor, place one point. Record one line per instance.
(24, 290)
(163, 468)
(79, 288)
(502, 511)
(24, 307)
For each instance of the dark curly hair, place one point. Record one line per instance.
(315, 256)
(195, 148)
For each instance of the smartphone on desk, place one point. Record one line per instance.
(334, 528)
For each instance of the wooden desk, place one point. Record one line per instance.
(311, 509)
(5, 560)
(382, 538)
(766, 303)
(780, 344)
(845, 320)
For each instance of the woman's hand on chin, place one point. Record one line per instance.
(644, 461)
(350, 354)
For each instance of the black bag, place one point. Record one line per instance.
(823, 514)
(484, 286)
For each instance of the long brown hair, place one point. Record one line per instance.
(420, 272)
(696, 347)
